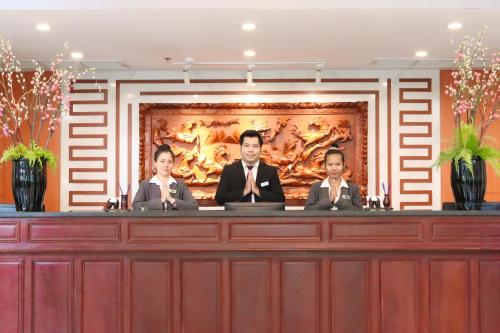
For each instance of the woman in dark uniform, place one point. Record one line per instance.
(334, 193)
(163, 192)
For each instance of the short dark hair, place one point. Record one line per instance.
(164, 148)
(334, 150)
(251, 134)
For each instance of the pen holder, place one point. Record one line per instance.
(387, 202)
(124, 202)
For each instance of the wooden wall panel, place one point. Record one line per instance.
(9, 231)
(11, 305)
(201, 296)
(101, 297)
(449, 296)
(300, 296)
(52, 296)
(489, 295)
(151, 303)
(250, 296)
(399, 291)
(350, 300)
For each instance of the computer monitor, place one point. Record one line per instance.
(254, 206)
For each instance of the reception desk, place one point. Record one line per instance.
(239, 272)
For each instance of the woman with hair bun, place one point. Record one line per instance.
(334, 193)
(163, 192)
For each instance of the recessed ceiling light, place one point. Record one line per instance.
(249, 53)
(421, 54)
(42, 27)
(455, 26)
(76, 55)
(249, 26)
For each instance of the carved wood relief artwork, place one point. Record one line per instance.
(205, 137)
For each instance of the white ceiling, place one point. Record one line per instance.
(117, 34)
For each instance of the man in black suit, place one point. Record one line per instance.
(248, 179)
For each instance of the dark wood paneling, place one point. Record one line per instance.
(300, 296)
(460, 232)
(489, 295)
(201, 296)
(375, 231)
(74, 232)
(251, 296)
(399, 295)
(275, 232)
(101, 297)
(174, 232)
(350, 297)
(9, 232)
(449, 296)
(52, 296)
(11, 305)
(151, 308)
(381, 274)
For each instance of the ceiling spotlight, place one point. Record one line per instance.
(421, 54)
(76, 55)
(42, 27)
(249, 53)
(455, 26)
(249, 26)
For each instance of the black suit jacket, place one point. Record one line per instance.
(232, 182)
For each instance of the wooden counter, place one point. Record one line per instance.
(293, 271)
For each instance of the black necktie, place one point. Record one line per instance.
(249, 167)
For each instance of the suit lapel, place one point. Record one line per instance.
(240, 174)
(324, 193)
(260, 174)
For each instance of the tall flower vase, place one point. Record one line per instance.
(28, 185)
(468, 189)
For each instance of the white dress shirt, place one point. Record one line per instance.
(253, 171)
(156, 180)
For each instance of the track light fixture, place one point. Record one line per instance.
(185, 73)
(187, 64)
(250, 75)
(319, 68)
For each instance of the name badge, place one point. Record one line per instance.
(345, 196)
(264, 184)
(173, 190)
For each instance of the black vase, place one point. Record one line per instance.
(28, 185)
(469, 188)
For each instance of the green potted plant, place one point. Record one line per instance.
(476, 97)
(31, 107)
